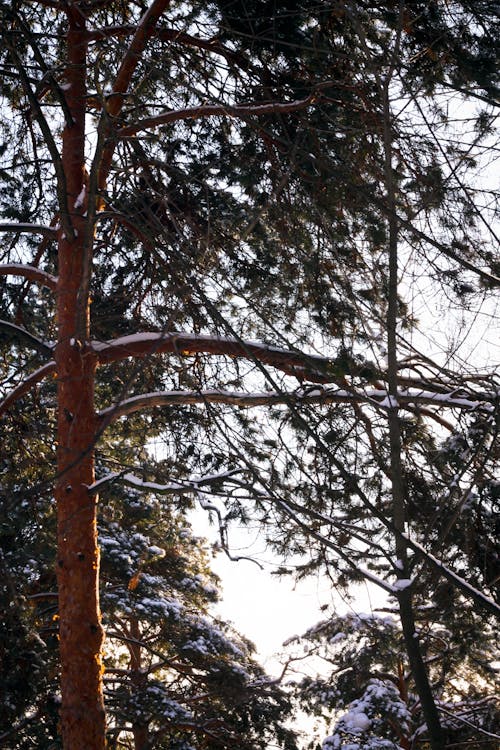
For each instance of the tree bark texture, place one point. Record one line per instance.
(80, 631)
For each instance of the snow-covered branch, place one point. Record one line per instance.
(376, 397)
(20, 228)
(31, 273)
(294, 363)
(301, 365)
(195, 484)
(21, 334)
(213, 110)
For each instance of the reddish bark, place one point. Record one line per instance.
(80, 631)
(30, 273)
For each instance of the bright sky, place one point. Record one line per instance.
(265, 608)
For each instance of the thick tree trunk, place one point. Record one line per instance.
(81, 635)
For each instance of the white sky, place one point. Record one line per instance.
(265, 608)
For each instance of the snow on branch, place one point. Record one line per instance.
(211, 110)
(316, 395)
(311, 367)
(466, 588)
(190, 485)
(21, 334)
(20, 228)
(31, 273)
(26, 385)
(302, 366)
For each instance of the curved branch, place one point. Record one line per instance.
(20, 228)
(302, 366)
(16, 332)
(311, 367)
(26, 385)
(31, 273)
(211, 110)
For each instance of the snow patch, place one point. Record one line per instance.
(403, 583)
(80, 198)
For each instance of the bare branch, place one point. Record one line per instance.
(27, 384)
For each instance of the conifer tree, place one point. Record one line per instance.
(181, 179)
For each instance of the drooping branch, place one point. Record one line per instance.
(31, 273)
(21, 334)
(26, 385)
(211, 110)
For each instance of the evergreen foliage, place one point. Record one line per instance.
(181, 179)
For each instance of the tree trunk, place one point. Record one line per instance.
(138, 679)
(413, 650)
(80, 631)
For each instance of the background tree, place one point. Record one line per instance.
(363, 692)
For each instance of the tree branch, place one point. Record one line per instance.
(310, 367)
(48, 137)
(20, 228)
(301, 396)
(211, 110)
(16, 332)
(114, 103)
(26, 385)
(31, 273)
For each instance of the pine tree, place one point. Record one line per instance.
(235, 171)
